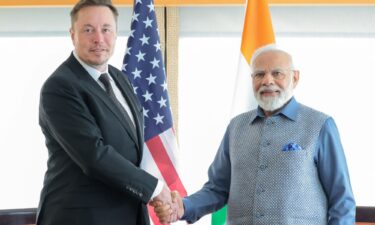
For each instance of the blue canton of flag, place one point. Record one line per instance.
(143, 64)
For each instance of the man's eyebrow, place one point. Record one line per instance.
(107, 25)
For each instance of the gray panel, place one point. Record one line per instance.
(207, 21)
(47, 21)
(287, 20)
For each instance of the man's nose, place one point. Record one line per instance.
(268, 79)
(98, 37)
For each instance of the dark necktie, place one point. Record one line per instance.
(104, 78)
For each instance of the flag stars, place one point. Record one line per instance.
(144, 39)
(124, 67)
(131, 34)
(155, 63)
(144, 66)
(151, 79)
(128, 51)
(145, 112)
(164, 85)
(140, 56)
(151, 7)
(162, 102)
(135, 16)
(157, 46)
(147, 22)
(159, 119)
(137, 73)
(148, 96)
(135, 89)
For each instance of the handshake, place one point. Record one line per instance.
(168, 206)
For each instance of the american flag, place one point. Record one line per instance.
(143, 64)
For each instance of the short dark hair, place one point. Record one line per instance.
(85, 3)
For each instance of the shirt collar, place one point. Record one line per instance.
(94, 73)
(290, 111)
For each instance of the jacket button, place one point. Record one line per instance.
(266, 143)
(260, 191)
(262, 167)
(270, 122)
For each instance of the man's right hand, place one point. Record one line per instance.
(176, 199)
(169, 213)
(164, 196)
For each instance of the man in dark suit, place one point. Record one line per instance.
(93, 128)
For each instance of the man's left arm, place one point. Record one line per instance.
(334, 176)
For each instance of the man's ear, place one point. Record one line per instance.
(71, 31)
(295, 78)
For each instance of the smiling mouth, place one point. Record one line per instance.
(269, 92)
(98, 50)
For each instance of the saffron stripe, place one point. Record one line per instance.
(257, 28)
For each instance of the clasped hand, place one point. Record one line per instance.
(168, 206)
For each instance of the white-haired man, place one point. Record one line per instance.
(282, 163)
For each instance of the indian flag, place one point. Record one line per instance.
(257, 33)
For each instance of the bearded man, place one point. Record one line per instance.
(282, 163)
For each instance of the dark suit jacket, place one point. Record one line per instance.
(93, 175)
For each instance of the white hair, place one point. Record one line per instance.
(269, 48)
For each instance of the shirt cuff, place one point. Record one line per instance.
(187, 209)
(158, 189)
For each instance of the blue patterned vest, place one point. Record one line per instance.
(270, 186)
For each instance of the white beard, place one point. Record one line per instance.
(273, 103)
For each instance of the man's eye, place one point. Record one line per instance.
(279, 74)
(87, 30)
(259, 75)
(108, 29)
(276, 73)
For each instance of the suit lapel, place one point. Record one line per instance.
(127, 91)
(97, 91)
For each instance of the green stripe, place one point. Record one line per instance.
(218, 218)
